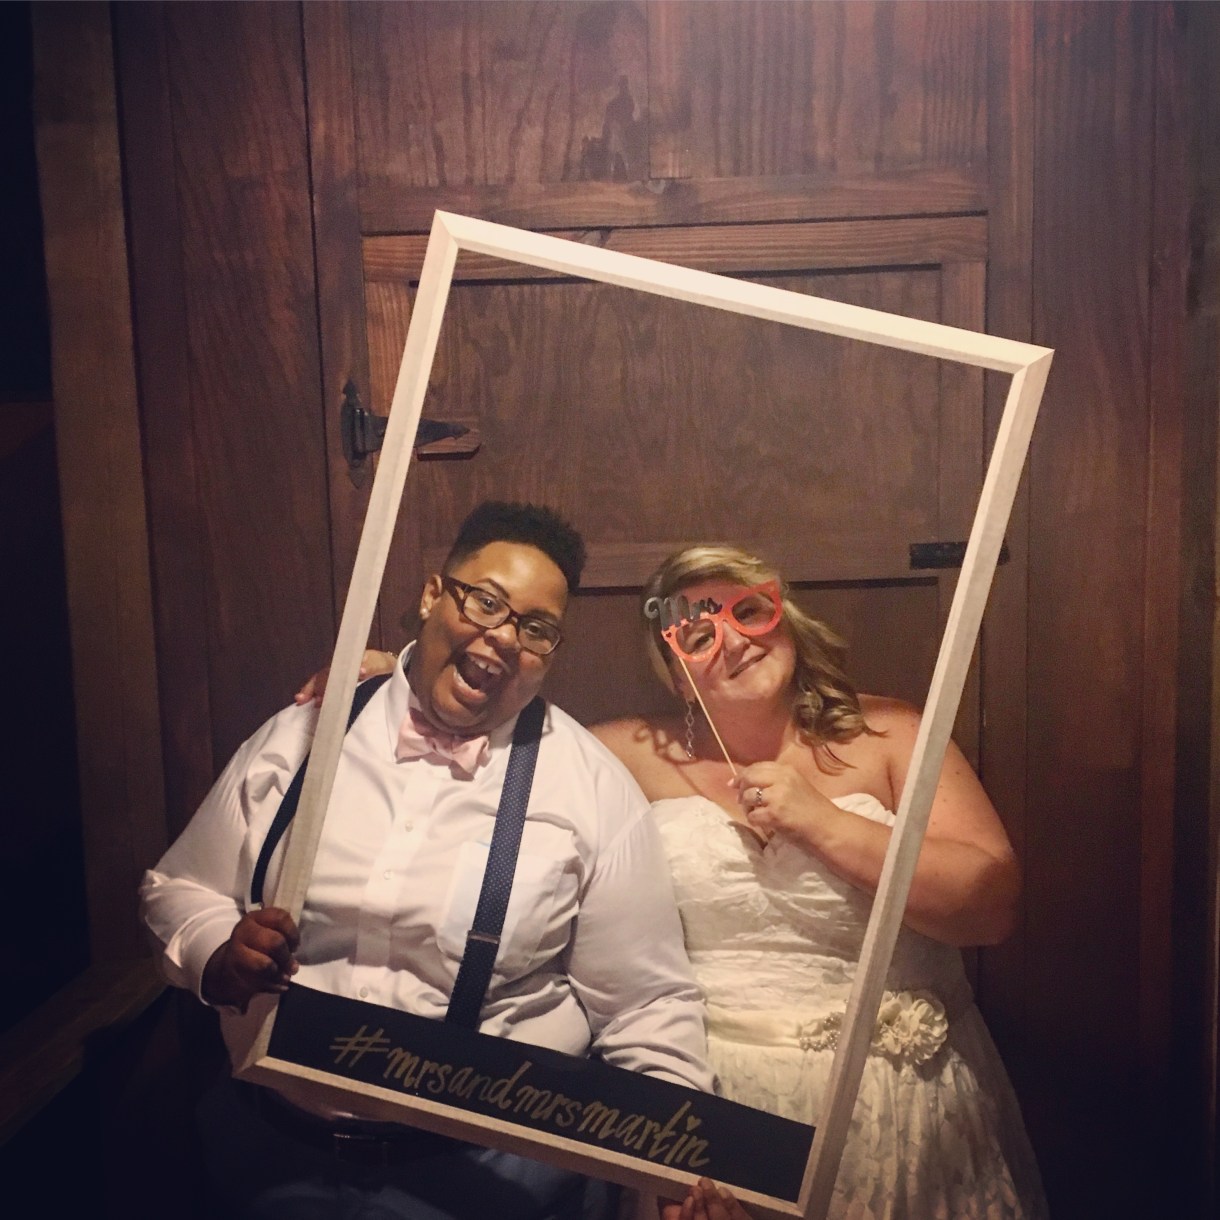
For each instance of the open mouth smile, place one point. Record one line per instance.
(477, 676)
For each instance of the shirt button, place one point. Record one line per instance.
(387, 874)
(364, 992)
(408, 826)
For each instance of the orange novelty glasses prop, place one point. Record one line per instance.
(696, 632)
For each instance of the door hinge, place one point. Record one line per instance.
(362, 434)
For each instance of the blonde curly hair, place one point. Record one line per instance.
(826, 709)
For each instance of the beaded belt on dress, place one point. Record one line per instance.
(911, 1027)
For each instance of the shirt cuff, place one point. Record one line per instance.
(190, 950)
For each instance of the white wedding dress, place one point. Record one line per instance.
(774, 938)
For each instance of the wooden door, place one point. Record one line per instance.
(653, 423)
(280, 159)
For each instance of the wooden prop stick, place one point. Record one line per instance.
(710, 721)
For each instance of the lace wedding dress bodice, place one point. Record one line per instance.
(774, 937)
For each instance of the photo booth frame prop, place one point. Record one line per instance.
(1028, 366)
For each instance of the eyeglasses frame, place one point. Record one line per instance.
(459, 590)
(770, 587)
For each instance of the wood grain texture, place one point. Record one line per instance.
(1167, 279)
(811, 558)
(1195, 1079)
(241, 152)
(1094, 75)
(725, 249)
(160, 319)
(387, 206)
(388, 308)
(1003, 981)
(751, 90)
(490, 94)
(101, 480)
(547, 115)
(702, 446)
(334, 184)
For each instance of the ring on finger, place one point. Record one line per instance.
(754, 797)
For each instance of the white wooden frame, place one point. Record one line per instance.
(1028, 366)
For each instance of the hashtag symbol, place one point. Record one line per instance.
(359, 1044)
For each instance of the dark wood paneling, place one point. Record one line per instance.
(329, 76)
(726, 423)
(388, 308)
(495, 94)
(1167, 272)
(43, 1053)
(241, 171)
(753, 90)
(751, 113)
(386, 208)
(1195, 1097)
(160, 318)
(726, 249)
(101, 480)
(1003, 981)
(545, 116)
(1094, 77)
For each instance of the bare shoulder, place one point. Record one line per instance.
(894, 718)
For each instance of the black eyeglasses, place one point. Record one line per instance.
(485, 609)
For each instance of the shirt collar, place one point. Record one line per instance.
(400, 697)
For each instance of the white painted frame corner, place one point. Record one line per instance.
(1027, 364)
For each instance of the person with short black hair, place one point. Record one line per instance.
(396, 876)
(530, 524)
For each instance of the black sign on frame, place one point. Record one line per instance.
(543, 1091)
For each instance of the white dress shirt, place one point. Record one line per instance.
(397, 876)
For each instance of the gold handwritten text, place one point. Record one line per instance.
(672, 1142)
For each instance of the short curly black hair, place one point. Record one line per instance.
(532, 524)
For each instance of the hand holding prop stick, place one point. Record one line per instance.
(711, 723)
(673, 611)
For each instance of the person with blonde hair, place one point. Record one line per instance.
(776, 857)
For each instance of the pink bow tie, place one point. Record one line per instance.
(417, 738)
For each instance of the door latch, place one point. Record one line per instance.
(932, 555)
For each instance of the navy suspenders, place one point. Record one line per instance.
(483, 940)
(288, 806)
